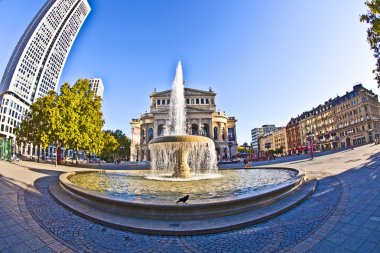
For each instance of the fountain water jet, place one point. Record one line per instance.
(176, 153)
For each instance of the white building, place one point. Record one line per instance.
(37, 61)
(202, 118)
(258, 132)
(96, 84)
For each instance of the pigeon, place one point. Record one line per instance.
(184, 199)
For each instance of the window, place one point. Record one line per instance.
(158, 102)
(197, 101)
(216, 132)
(207, 101)
(202, 101)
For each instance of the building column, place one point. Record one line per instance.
(31, 149)
(225, 132)
(26, 147)
(21, 148)
(236, 135)
(220, 129)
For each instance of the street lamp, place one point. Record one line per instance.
(122, 151)
(230, 144)
(267, 146)
(245, 144)
(137, 151)
(309, 136)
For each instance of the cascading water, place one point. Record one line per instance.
(177, 154)
(177, 107)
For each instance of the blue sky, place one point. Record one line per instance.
(268, 61)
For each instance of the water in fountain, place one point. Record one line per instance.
(177, 107)
(176, 154)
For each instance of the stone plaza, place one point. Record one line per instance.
(342, 215)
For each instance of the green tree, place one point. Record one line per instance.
(124, 143)
(81, 118)
(39, 123)
(72, 119)
(373, 32)
(279, 151)
(110, 146)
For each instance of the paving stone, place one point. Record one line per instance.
(366, 247)
(374, 237)
(353, 243)
(20, 248)
(34, 244)
(325, 246)
(337, 238)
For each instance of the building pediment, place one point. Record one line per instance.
(191, 92)
(188, 109)
(188, 92)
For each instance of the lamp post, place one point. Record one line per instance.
(245, 144)
(309, 136)
(230, 144)
(137, 153)
(267, 146)
(122, 151)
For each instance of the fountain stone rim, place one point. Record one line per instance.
(185, 138)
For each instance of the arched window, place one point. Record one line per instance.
(150, 134)
(194, 129)
(160, 130)
(216, 132)
(206, 130)
(231, 134)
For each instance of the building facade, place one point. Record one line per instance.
(202, 118)
(345, 121)
(37, 61)
(357, 117)
(293, 136)
(258, 132)
(274, 141)
(96, 84)
(265, 144)
(280, 140)
(317, 126)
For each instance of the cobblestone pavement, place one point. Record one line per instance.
(343, 215)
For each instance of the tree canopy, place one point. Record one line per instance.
(124, 143)
(73, 119)
(373, 32)
(110, 146)
(39, 124)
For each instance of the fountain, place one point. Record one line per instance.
(145, 200)
(176, 153)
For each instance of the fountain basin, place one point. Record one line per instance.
(183, 155)
(181, 138)
(197, 217)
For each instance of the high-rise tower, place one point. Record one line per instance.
(96, 84)
(37, 62)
